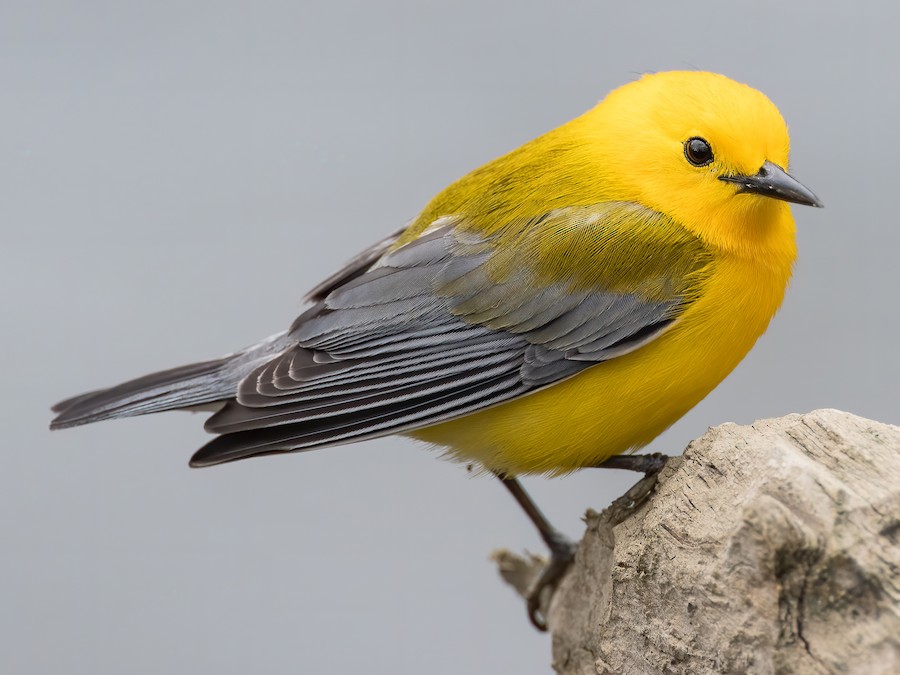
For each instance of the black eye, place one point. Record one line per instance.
(697, 151)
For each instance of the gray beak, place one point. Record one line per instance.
(773, 181)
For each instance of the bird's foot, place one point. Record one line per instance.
(636, 495)
(539, 593)
(650, 465)
(562, 551)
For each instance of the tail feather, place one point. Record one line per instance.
(181, 387)
(188, 386)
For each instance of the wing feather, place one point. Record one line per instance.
(438, 327)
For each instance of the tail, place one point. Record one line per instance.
(197, 384)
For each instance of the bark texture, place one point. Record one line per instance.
(769, 548)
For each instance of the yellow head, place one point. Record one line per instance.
(708, 151)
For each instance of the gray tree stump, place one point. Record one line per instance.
(770, 548)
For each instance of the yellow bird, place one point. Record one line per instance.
(561, 305)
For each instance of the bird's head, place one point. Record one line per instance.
(704, 149)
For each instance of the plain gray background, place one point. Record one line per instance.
(173, 177)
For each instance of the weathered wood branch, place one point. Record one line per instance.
(770, 548)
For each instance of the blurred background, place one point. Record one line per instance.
(175, 175)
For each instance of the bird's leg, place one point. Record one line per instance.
(562, 551)
(650, 465)
(646, 464)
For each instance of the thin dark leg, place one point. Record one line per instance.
(551, 536)
(646, 464)
(562, 550)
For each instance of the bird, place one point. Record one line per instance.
(553, 310)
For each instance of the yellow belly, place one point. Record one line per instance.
(623, 404)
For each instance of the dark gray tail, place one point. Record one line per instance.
(183, 387)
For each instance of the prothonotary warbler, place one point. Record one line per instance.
(563, 304)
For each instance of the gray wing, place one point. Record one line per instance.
(354, 267)
(425, 335)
